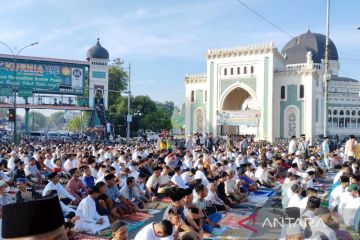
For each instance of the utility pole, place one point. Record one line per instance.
(326, 69)
(128, 117)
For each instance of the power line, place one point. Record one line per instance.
(265, 19)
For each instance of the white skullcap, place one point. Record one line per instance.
(283, 154)
(297, 153)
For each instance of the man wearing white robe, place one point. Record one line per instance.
(90, 221)
(350, 209)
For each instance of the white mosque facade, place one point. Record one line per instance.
(270, 93)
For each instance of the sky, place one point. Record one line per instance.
(165, 39)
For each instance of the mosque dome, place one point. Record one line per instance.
(296, 49)
(97, 51)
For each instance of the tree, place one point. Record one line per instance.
(156, 121)
(74, 125)
(56, 120)
(117, 80)
(37, 121)
(167, 106)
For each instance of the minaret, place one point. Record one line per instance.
(98, 58)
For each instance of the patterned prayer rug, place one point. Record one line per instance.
(138, 217)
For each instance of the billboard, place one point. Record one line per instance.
(248, 118)
(42, 77)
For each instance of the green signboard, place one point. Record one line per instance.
(57, 78)
(6, 91)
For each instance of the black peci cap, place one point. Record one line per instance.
(31, 218)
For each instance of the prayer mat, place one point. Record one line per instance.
(131, 225)
(80, 236)
(166, 200)
(154, 211)
(257, 200)
(232, 219)
(219, 231)
(243, 207)
(263, 193)
(157, 205)
(138, 217)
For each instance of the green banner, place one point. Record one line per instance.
(6, 91)
(25, 92)
(58, 78)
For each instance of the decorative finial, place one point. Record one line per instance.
(309, 24)
(98, 39)
(298, 40)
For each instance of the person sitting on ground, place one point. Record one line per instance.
(177, 179)
(90, 221)
(295, 198)
(350, 208)
(104, 204)
(221, 190)
(32, 172)
(335, 194)
(128, 192)
(119, 231)
(75, 186)
(123, 205)
(177, 196)
(55, 185)
(140, 189)
(152, 184)
(231, 190)
(155, 231)
(23, 194)
(214, 198)
(87, 179)
(310, 192)
(212, 217)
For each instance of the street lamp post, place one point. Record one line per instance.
(14, 80)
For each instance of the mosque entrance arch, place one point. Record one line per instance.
(239, 112)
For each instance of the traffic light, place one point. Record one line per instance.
(11, 115)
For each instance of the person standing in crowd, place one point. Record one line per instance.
(350, 147)
(292, 145)
(325, 151)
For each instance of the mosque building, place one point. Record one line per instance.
(272, 94)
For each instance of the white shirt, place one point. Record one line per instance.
(294, 201)
(201, 175)
(11, 164)
(48, 163)
(178, 181)
(148, 233)
(292, 146)
(302, 204)
(344, 198)
(337, 176)
(31, 170)
(70, 164)
(59, 188)
(186, 177)
(335, 196)
(261, 175)
(188, 163)
(164, 179)
(349, 211)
